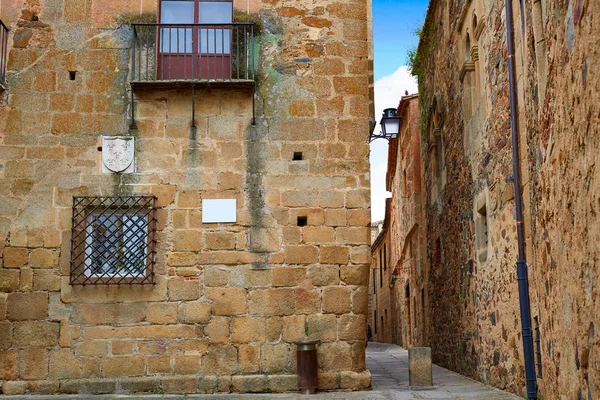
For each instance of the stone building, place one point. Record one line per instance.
(180, 203)
(468, 190)
(408, 251)
(381, 314)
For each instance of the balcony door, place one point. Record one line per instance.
(200, 50)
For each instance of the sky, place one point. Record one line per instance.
(394, 26)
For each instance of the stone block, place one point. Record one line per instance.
(321, 327)
(249, 358)
(9, 280)
(187, 240)
(328, 381)
(336, 217)
(248, 329)
(92, 348)
(207, 384)
(8, 365)
(359, 217)
(248, 383)
(300, 254)
(355, 380)
(294, 328)
(162, 313)
(353, 235)
(215, 276)
(317, 235)
(195, 312)
(220, 360)
(15, 257)
(124, 366)
(11, 388)
(64, 365)
(27, 306)
(121, 348)
(336, 299)
(46, 280)
(186, 364)
(159, 365)
(334, 356)
(282, 383)
(334, 255)
(219, 240)
(276, 301)
(360, 254)
(308, 300)
(217, 330)
(180, 288)
(140, 385)
(360, 300)
(227, 301)
(43, 387)
(419, 366)
(355, 275)
(324, 275)
(288, 276)
(352, 327)
(264, 239)
(179, 384)
(88, 386)
(274, 357)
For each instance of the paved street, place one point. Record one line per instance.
(389, 367)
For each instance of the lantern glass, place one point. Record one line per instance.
(390, 123)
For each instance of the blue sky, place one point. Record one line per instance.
(394, 25)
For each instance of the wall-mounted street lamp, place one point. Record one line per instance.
(390, 125)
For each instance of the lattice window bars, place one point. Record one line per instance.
(113, 240)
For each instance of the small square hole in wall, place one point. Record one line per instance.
(297, 156)
(302, 221)
(72, 75)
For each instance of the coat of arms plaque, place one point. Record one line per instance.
(118, 154)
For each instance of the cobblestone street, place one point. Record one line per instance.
(389, 367)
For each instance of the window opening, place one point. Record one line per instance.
(297, 156)
(302, 221)
(375, 320)
(384, 257)
(72, 75)
(380, 270)
(113, 240)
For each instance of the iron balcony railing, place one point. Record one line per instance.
(3, 51)
(192, 52)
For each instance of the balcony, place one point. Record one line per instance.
(221, 55)
(3, 53)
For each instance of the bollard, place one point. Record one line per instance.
(307, 366)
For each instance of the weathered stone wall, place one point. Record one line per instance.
(408, 257)
(463, 79)
(381, 312)
(229, 299)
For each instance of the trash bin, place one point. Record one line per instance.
(307, 366)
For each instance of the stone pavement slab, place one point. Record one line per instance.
(389, 368)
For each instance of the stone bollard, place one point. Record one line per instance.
(419, 366)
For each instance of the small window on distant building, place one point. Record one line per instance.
(113, 240)
(481, 229)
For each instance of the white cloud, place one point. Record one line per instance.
(388, 91)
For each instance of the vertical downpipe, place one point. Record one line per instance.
(522, 278)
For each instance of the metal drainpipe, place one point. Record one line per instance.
(522, 279)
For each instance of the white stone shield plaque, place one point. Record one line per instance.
(117, 154)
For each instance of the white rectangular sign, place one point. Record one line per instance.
(218, 210)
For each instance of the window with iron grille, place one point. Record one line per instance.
(113, 240)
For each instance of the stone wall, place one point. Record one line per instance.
(408, 257)
(229, 300)
(463, 83)
(381, 312)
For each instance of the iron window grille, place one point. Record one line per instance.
(113, 240)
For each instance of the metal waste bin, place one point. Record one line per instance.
(307, 366)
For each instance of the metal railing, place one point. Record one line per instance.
(113, 240)
(3, 50)
(180, 52)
